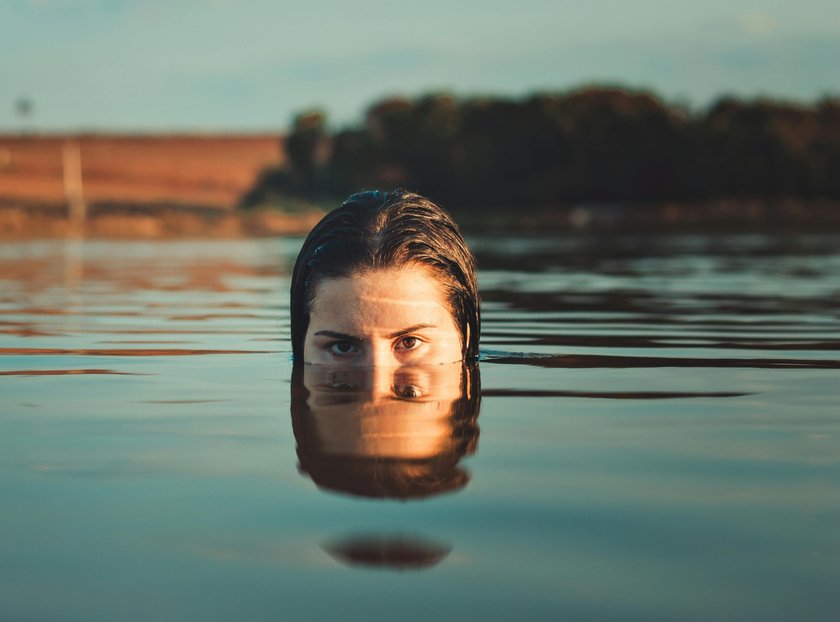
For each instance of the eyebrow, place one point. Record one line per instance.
(405, 331)
(335, 335)
(410, 329)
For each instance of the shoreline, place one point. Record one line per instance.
(143, 222)
(723, 215)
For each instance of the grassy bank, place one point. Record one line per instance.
(17, 222)
(159, 222)
(721, 215)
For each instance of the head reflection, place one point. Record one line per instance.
(386, 432)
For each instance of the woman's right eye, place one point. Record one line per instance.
(342, 348)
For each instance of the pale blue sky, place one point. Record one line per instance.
(250, 64)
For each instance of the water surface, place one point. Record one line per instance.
(658, 438)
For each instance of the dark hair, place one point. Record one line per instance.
(377, 229)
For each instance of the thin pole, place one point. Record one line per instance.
(73, 189)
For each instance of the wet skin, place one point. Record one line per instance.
(382, 318)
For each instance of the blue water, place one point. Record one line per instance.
(658, 439)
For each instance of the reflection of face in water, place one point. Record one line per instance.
(385, 432)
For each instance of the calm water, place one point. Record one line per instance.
(658, 439)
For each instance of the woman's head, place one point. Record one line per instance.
(385, 270)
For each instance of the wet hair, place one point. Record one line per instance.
(374, 230)
(390, 478)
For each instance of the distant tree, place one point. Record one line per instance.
(306, 148)
(824, 152)
(272, 187)
(596, 144)
(622, 146)
(742, 150)
(355, 163)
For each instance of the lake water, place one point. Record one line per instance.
(658, 438)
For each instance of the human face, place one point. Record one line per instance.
(387, 317)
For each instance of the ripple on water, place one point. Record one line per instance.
(659, 439)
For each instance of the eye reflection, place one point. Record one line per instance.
(408, 392)
(411, 383)
(384, 432)
(345, 380)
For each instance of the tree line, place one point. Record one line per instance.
(592, 145)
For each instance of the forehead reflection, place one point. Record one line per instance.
(383, 412)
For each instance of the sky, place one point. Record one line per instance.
(250, 65)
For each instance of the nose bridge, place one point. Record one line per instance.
(381, 360)
(380, 353)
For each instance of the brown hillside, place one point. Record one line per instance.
(211, 171)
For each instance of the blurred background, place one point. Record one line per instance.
(223, 118)
(651, 191)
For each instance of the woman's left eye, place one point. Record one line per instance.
(408, 343)
(408, 392)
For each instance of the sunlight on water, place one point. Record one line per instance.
(656, 437)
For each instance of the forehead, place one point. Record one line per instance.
(405, 295)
